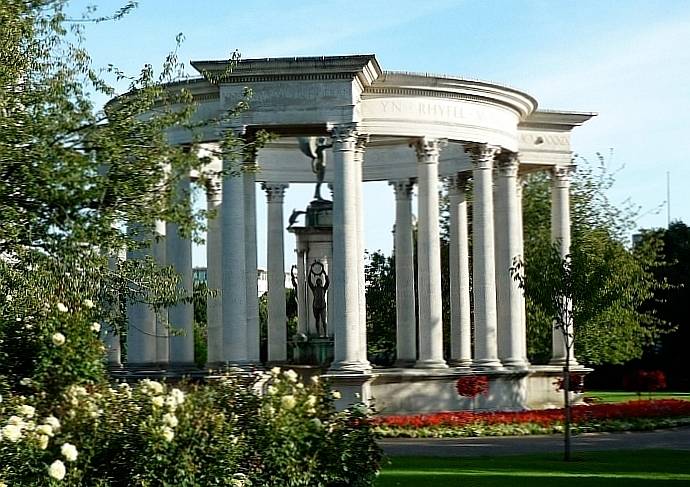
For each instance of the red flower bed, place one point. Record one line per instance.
(545, 417)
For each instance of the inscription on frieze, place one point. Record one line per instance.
(431, 109)
(535, 140)
(295, 94)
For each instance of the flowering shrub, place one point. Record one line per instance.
(472, 385)
(217, 434)
(629, 415)
(645, 381)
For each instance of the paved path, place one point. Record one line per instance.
(676, 439)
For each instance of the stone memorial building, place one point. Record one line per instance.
(417, 132)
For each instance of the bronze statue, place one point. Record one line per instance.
(314, 148)
(318, 291)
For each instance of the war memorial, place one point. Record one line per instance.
(340, 122)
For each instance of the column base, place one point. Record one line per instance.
(487, 364)
(404, 363)
(430, 364)
(560, 361)
(460, 363)
(515, 363)
(355, 367)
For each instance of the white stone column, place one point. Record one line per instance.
(109, 334)
(302, 308)
(234, 291)
(521, 252)
(405, 314)
(162, 318)
(178, 251)
(362, 140)
(483, 266)
(214, 272)
(277, 315)
(511, 338)
(345, 280)
(560, 235)
(459, 263)
(251, 266)
(141, 321)
(429, 256)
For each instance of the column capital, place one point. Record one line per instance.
(346, 134)
(428, 150)
(403, 188)
(214, 186)
(561, 175)
(275, 192)
(360, 145)
(482, 155)
(457, 182)
(507, 163)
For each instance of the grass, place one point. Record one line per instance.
(607, 468)
(622, 396)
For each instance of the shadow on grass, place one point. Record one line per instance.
(610, 469)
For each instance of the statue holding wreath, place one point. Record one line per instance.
(318, 283)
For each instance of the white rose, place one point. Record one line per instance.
(62, 308)
(57, 470)
(16, 420)
(288, 402)
(43, 441)
(336, 395)
(58, 339)
(170, 420)
(45, 429)
(291, 375)
(311, 401)
(69, 451)
(178, 395)
(275, 371)
(89, 304)
(12, 432)
(53, 422)
(27, 411)
(168, 434)
(314, 379)
(96, 326)
(271, 390)
(157, 401)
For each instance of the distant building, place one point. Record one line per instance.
(200, 274)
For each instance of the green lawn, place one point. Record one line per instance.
(608, 468)
(622, 396)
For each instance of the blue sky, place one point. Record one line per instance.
(628, 60)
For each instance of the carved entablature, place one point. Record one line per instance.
(544, 137)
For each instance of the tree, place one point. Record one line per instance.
(78, 186)
(611, 326)
(381, 322)
(670, 302)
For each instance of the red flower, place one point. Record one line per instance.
(545, 417)
(472, 385)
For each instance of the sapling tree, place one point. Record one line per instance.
(557, 288)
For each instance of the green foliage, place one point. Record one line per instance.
(380, 277)
(670, 301)
(610, 282)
